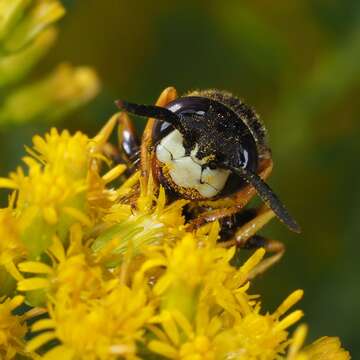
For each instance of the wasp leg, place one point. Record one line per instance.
(102, 138)
(103, 135)
(245, 238)
(128, 150)
(113, 153)
(276, 248)
(249, 228)
(169, 94)
(129, 143)
(127, 137)
(212, 215)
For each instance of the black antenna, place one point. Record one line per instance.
(268, 196)
(151, 111)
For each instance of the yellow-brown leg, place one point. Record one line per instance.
(249, 229)
(212, 215)
(128, 142)
(112, 152)
(245, 238)
(127, 150)
(274, 247)
(169, 94)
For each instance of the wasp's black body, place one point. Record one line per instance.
(211, 148)
(222, 136)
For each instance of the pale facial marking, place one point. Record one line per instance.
(173, 143)
(186, 171)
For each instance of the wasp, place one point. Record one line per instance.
(211, 148)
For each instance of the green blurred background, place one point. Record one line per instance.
(298, 64)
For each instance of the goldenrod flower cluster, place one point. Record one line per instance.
(108, 270)
(27, 32)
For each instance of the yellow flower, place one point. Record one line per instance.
(92, 313)
(103, 329)
(40, 15)
(12, 329)
(15, 66)
(65, 89)
(210, 315)
(12, 250)
(59, 187)
(118, 273)
(328, 348)
(71, 272)
(178, 338)
(48, 202)
(26, 34)
(63, 152)
(325, 348)
(148, 220)
(256, 336)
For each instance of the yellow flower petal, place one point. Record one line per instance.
(328, 348)
(253, 260)
(57, 249)
(40, 340)
(163, 349)
(161, 201)
(289, 320)
(170, 327)
(290, 301)
(32, 284)
(43, 324)
(35, 267)
(183, 322)
(297, 342)
(162, 284)
(102, 137)
(77, 215)
(13, 270)
(114, 173)
(50, 215)
(8, 184)
(129, 183)
(16, 301)
(59, 352)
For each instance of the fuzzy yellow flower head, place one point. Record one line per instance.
(63, 152)
(118, 273)
(92, 313)
(147, 221)
(57, 189)
(12, 250)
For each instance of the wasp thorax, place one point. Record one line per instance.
(185, 172)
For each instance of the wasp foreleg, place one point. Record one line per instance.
(241, 231)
